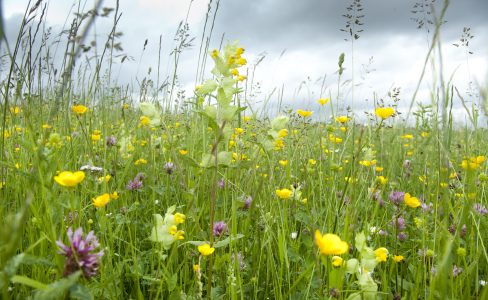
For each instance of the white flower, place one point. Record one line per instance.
(294, 235)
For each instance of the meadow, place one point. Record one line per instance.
(115, 198)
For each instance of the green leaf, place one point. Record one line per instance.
(222, 98)
(28, 282)
(80, 292)
(208, 87)
(227, 241)
(208, 160)
(224, 158)
(228, 113)
(194, 243)
(352, 266)
(279, 123)
(59, 288)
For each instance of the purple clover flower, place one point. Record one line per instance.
(480, 209)
(221, 183)
(399, 223)
(136, 183)
(111, 141)
(169, 167)
(247, 203)
(396, 197)
(456, 271)
(79, 253)
(219, 228)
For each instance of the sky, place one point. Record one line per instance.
(300, 41)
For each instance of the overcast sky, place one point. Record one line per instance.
(301, 41)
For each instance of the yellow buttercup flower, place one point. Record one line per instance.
(384, 112)
(283, 162)
(398, 258)
(410, 201)
(330, 244)
(69, 179)
(206, 249)
(337, 261)
(101, 200)
(304, 113)
(79, 109)
(179, 218)
(183, 151)
(342, 119)
(381, 254)
(323, 101)
(284, 193)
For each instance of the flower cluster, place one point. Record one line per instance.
(165, 230)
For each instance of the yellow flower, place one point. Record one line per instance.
(398, 258)
(284, 193)
(424, 134)
(407, 136)
(238, 130)
(125, 106)
(196, 268)
(183, 151)
(323, 101)
(104, 179)
(70, 179)
(379, 169)
(144, 121)
(79, 109)
(330, 244)
(384, 112)
(335, 139)
(283, 162)
(367, 163)
(342, 119)
(381, 254)
(95, 137)
(114, 196)
(179, 218)
(312, 162)
(46, 126)
(304, 113)
(15, 110)
(246, 119)
(101, 200)
(140, 161)
(205, 249)
(282, 133)
(337, 261)
(410, 201)
(382, 180)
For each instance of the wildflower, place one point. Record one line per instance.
(407, 136)
(456, 271)
(367, 163)
(402, 236)
(330, 244)
(472, 163)
(169, 167)
(196, 268)
(304, 113)
(480, 209)
(15, 110)
(69, 179)
(79, 253)
(283, 162)
(294, 235)
(79, 109)
(283, 133)
(221, 183)
(165, 230)
(183, 152)
(399, 223)
(111, 141)
(337, 261)
(284, 193)
(247, 202)
(144, 121)
(101, 200)
(381, 254)
(219, 228)
(410, 201)
(381, 179)
(114, 196)
(205, 249)
(134, 184)
(342, 119)
(140, 161)
(384, 112)
(398, 258)
(323, 101)
(240, 260)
